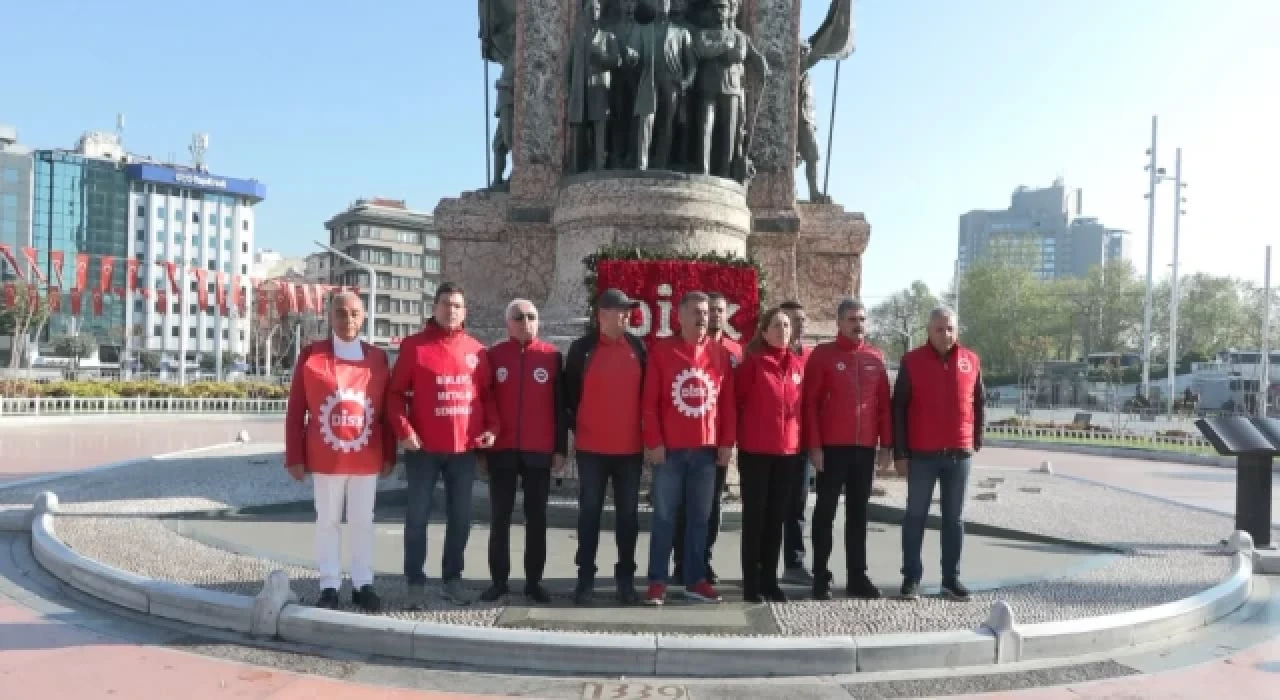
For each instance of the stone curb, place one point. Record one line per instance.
(1116, 452)
(15, 520)
(504, 649)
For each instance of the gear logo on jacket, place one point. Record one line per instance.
(501, 374)
(964, 365)
(694, 392)
(346, 420)
(840, 366)
(796, 377)
(472, 360)
(540, 375)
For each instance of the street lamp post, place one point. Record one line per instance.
(1156, 175)
(1264, 377)
(1178, 200)
(373, 285)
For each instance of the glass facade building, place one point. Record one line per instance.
(15, 203)
(81, 206)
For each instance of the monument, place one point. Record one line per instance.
(664, 125)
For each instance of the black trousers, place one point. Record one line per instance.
(848, 469)
(507, 469)
(713, 524)
(767, 485)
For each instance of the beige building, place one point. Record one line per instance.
(401, 245)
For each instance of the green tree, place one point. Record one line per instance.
(899, 322)
(77, 347)
(21, 322)
(149, 360)
(1003, 307)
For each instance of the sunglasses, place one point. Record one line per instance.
(524, 317)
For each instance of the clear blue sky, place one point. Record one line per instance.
(946, 106)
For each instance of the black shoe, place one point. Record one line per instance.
(366, 599)
(822, 591)
(955, 590)
(910, 590)
(584, 593)
(494, 592)
(711, 575)
(677, 576)
(627, 594)
(753, 597)
(329, 599)
(861, 587)
(537, 593)
(773, 594)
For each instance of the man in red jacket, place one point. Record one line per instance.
(847, 416)
(450, 415)
(532, 444)
(793, 526)
(938, 406)
(716, 324)
(688, 431)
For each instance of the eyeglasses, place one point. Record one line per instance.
(524, 317)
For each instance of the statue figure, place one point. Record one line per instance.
(807, 150)
(622, 89)
(668, 65)
(592, 56)
(497, 45)
(723, 53)
(506, 114)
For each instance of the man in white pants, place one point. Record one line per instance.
(335, 430)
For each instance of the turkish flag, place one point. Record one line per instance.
(302, 297)
(146, 292)
(56, 258)
(171, 269)
(97, 302)
(284, 298)
(33, 298)
(202, 288)
(30, 253)
(7, 252)
(162, 300)
(131, 274)
(82, 271)
(55, 300)
(220, 294)
(76, 295)
(106, 266)
(237, 295)
(10, 295)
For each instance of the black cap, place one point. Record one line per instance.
(614, 299)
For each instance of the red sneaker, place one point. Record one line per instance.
(656, 595)
(703, 592)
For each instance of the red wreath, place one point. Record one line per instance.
(645, 279)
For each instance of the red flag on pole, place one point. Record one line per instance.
(220, 294)
(162, 300)
(131, 274)
(106, 266)
(33, 298)
(302, 299)
(202, 287)
(56, 258)
(82, 271)
(236, 295)
(55, 300)
(36, 274)
(7, 252)
(76, 296)
(97, 302)
(261, 301)
(10, 295)
(171, 269)
(284, 298)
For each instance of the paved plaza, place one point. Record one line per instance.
(1082, 542)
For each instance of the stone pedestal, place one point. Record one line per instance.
(656, 211)
(818, 264)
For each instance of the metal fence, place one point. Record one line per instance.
(1187, 443)
(74, 406)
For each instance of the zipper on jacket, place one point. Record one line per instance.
(520, 401)
(857, 398)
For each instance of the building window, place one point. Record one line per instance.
(244, 269)
(160, 213)
(244, 247)
(213, 266)
(142, 235)
(177, 215)
(137, 306)
(175, 332)
(226, 267)
(157, 331)
(178, 237)
(208, 334)
(242, 336)
(224, 334)
(213, 243)
(195, 239)
(140, 257)
(176, 308)
(142, 211)
(195, 217)
(246, 225)
(193, 309)
(191, 333)
(227, 222)
(195, 263)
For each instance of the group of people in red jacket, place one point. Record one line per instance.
(679, 407)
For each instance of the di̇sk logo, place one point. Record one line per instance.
(501, 374)
(472, 360)
(540, 375)
(346, 420)
(795, 377)
(840, 366)
(694, 392)
(964, 365)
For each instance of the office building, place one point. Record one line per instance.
(403, 249)
(15, 194)
(1044, 231)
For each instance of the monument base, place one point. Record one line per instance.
(818, 264)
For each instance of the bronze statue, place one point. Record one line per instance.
(667, 67)
(505, 112)
(723, 53)
(497, 45)
(807, 151)
(592, 56)
(622, 89)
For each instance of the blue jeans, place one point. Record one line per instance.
(793, 526)
(688, 477)
(423, 470)
(595, 471)
(922, 473)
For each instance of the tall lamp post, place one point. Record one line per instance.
(373, 284)
(1156, 176)
(1178, 200)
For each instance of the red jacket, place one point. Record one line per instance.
(767, 385)
(452, 393)
(527, 389)
(938, 401)
(846, 396)
(334, 423)
(733, 346)
(681, 406)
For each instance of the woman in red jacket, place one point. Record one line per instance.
(334, 430)
(767, 385)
